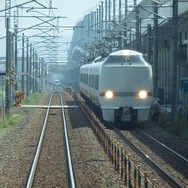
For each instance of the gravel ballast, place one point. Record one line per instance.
(92, 167)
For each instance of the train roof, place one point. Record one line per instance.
(126, 52)
(100, 60)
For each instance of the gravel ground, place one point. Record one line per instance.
(174, 142)
(17, 146)
(91, 165)
(52, 170)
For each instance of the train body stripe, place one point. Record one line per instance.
(125, 94)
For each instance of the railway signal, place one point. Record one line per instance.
(19, 98)
(11, 77)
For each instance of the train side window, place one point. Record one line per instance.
(84, 78)
(96, 82)
(90, 80)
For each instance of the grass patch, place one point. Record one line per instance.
(35, 98)
(178, 128)
(18, 117)
(11, 121)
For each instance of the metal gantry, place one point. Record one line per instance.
(29, 74)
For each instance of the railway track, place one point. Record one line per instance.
(170, 167)
(166, 149)
(54, 129)
(91, 166)
(169, 164)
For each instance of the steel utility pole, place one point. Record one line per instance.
(42, 75)
(7, 10)
(138, 25)
(155, 49)
(119, 20)
(174, 59)
(33, 70)
(30, 68)
(148, 43)
(125, 32)
(7, 25)
(7, 88)
(16, 57)
(27, 69)
(23, 64)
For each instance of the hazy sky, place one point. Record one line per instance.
(74, 10)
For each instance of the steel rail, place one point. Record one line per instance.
(152, 163)
(165, 148)
(71, 177)
(38, 150)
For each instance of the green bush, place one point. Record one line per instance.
(11, 120)
(35, 98)
(178, 128)
(15, 119)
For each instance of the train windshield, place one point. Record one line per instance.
(132, 59)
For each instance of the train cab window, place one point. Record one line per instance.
(84, 78)
(133, 59)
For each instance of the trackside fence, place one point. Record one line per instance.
(122, 161)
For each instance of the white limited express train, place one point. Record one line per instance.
(120, 86)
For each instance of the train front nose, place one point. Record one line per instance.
(126, 114)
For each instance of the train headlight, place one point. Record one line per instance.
(142, 94)
(109, 94)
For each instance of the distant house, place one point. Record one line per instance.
(19, 65)
(2, 64)
(2, 68)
